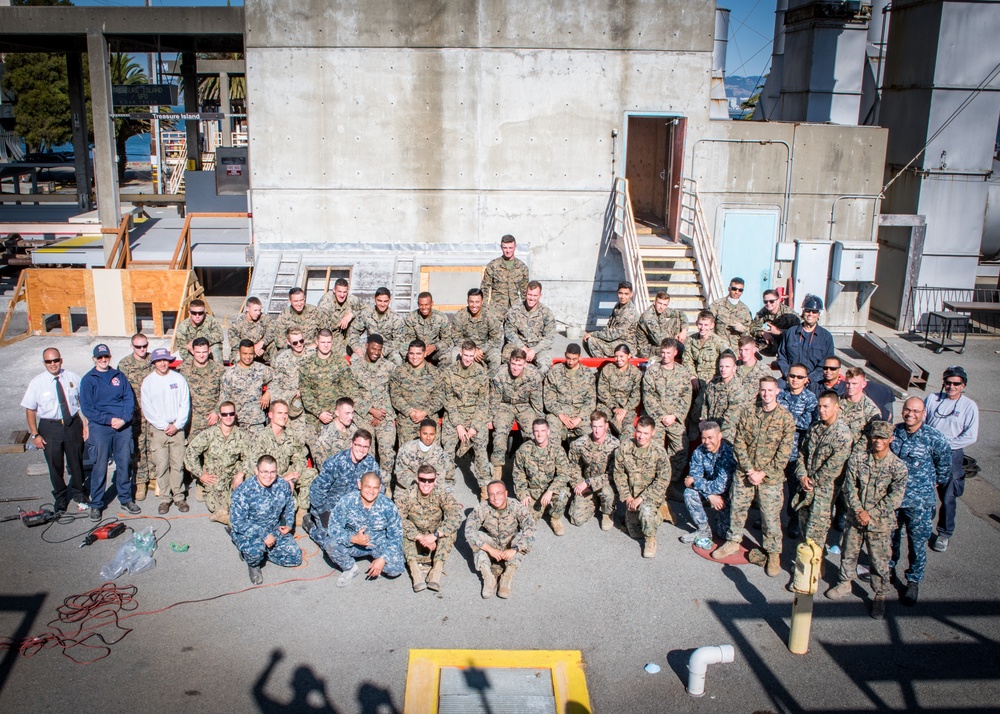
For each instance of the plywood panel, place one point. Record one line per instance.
(54, 292)
(107, 295)
(110, 308)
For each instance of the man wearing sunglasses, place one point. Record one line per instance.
(808, 343)
(136, 367)
(55, 424)
(957, 417)
(200, 324)
(431, 518)
(732, 316)
(107, 401)
(771, 321)
(285, 382)
(217, 457)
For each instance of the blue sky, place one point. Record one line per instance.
(751, 28)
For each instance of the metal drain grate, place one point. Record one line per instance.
(472, 690)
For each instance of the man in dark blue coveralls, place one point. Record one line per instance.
(808, 343)
(107, 401)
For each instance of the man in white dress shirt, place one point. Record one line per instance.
(56, 426)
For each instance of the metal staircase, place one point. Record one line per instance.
(671, 267)
(687, 270)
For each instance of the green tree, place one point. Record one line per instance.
(39, 85)
(125, 71)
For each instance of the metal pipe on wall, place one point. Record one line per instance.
(875, 207)
(763, 142)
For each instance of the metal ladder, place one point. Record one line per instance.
(286, 278)
(402, 287)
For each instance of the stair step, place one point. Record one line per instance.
(686, 272)
(675, 289)
(681, 251)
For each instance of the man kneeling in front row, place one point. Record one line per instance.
(500, 531)
(431, 518)
(261, 515)
(363, 524)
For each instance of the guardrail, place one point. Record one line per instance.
(181, 259)
(121, 252)
(628, 244)
(925, 299)
(695, 227)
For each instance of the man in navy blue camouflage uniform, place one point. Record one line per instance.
(711, 471)
(262, 509)
(927, 455)
(339, 476)
(801, 402)
(364, 524)
(106, 399)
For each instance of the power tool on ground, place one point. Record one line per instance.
(105, 532)
(36, 518)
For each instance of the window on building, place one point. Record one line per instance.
(320, 280)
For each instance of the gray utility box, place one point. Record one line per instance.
(853, 261)
(232, 171)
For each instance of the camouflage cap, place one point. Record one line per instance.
(881, 429)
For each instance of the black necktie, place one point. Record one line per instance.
(63, 404)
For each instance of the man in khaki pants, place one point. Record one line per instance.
(166, 404)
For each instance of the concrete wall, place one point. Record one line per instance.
(447, 122)
(827, 162)
(933, 64)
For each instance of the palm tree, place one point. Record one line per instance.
(125, 71)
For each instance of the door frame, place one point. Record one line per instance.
(676, 169)
(758, 208)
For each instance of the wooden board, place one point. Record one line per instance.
(871, 348)
(53, 291)
(56, 290)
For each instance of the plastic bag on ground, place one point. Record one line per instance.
(135, 556)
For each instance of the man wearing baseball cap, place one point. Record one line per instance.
(957, 417)
(107, 401)
(874, 487)
(166, 404)
(808, 343)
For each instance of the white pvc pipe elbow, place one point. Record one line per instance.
(698, 665)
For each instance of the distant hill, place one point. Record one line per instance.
(743, 87)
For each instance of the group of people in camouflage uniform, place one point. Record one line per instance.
(346, 420)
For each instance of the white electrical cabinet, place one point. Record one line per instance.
(854, 261)
(812, 266)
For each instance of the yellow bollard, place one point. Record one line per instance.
(805, 582)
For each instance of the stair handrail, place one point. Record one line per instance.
(121, 252)
(701, 241)
(628, 245)
(182, 259)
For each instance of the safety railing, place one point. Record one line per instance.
(628, 244)
(925, 299)
(694, 227)
(181, 259)
(121, 252)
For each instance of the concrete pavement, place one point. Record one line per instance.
(307, 645)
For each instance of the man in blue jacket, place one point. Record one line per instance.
(807, 343)
(107, 401)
